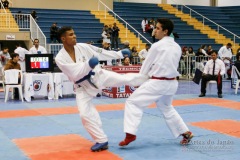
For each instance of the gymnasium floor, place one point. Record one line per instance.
(52, 130)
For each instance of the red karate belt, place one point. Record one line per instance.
(162, 78)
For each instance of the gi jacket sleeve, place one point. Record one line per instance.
(103, 54)
(74, 71)
(81, 68)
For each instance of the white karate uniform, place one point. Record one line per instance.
(103, 78)
(224, 52)
(162, 61)
(21, 51)
(6, 58)
(143, 24)
(105, 38)
(34, 50)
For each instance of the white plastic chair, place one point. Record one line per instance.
(238, 80)
(11, 81)
(209, 84)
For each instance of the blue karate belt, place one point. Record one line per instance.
(88, 78)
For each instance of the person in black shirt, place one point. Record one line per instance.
(115, 35)
(54, 33)
(5, 4)
(34, 15)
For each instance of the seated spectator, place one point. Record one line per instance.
(34, 15)
(143, 53)
(203, 48)
(237, 63)
(54, 33)
(13, 64)
(134, 56)
(126, 61)
(148, 28)
(5, 4)
(183, 61)
(213, 70)
(191, 55)
(126, 44)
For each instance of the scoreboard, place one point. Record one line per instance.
(39, 62)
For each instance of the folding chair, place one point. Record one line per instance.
(209, 85)
(11, 81)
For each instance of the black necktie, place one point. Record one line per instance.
(213, 68)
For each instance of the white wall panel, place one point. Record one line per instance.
(222, 3)
(190, 2)
(144, 1)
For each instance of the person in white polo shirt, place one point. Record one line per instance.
(37, 49)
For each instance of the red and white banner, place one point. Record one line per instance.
(123, 91)
(123, 69)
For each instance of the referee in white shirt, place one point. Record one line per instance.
(213, 70)
(37, 49)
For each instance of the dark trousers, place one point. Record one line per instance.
(208, 77)
(54, 38)
(16, 93)
(114, 41)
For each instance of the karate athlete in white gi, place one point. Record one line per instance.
(22, 52)
(79, 62)
(161, 65)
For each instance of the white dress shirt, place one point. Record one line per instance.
(219, 66)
